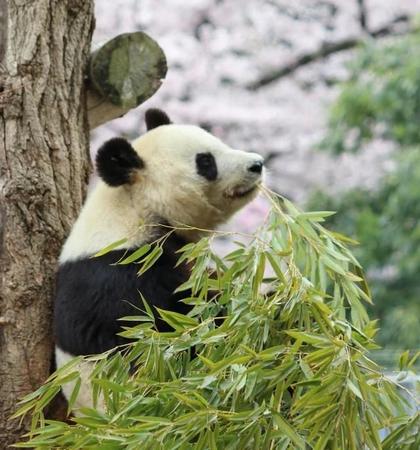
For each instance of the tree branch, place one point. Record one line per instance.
(122, 74)
(329, 49)
(363, 19)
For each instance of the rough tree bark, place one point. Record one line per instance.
(44, 168)
(3, 21)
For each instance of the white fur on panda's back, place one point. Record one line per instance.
(107, 216)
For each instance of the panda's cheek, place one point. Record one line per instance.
(215, 189)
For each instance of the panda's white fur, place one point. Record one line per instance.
(169, 182)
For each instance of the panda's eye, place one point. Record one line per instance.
(206, 166)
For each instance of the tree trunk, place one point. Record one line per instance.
(44, 167)
(3, 28)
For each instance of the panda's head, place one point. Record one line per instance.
(180, 173)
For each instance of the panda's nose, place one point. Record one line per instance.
(256, 166)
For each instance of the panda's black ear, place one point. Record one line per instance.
(155, 118)
(116, 162)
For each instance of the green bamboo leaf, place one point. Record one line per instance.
(309, 338)
(90, 422)
(275, 266)
(47, 397)
(154, 419)
(315, 216)
(311, 382)
(413, 360)
(136, 255)
(403, 360)
(342, 238)
(207, 361)
(176, 320)
(234, 359)
(110, 247)
(191, 402)
(289, 431)
(135, 319)
(107, 384)
(26, 407)
(150, 259)
(331, 264)
(325, 437)
(374, 431)
(354, 389)
(67, 378)
(233, 256)
(259, 275)
(74, 395)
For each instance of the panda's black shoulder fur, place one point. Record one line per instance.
(92, 294)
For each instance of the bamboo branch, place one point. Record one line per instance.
(329, 49)
(122, 74)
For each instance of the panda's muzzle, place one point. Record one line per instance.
(253, 178)
(242, 191)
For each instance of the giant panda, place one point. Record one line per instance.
(178, 175)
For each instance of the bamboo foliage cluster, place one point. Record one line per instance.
(274, 355)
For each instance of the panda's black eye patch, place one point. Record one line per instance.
(206, 165)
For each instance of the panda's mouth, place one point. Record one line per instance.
(241, 191)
